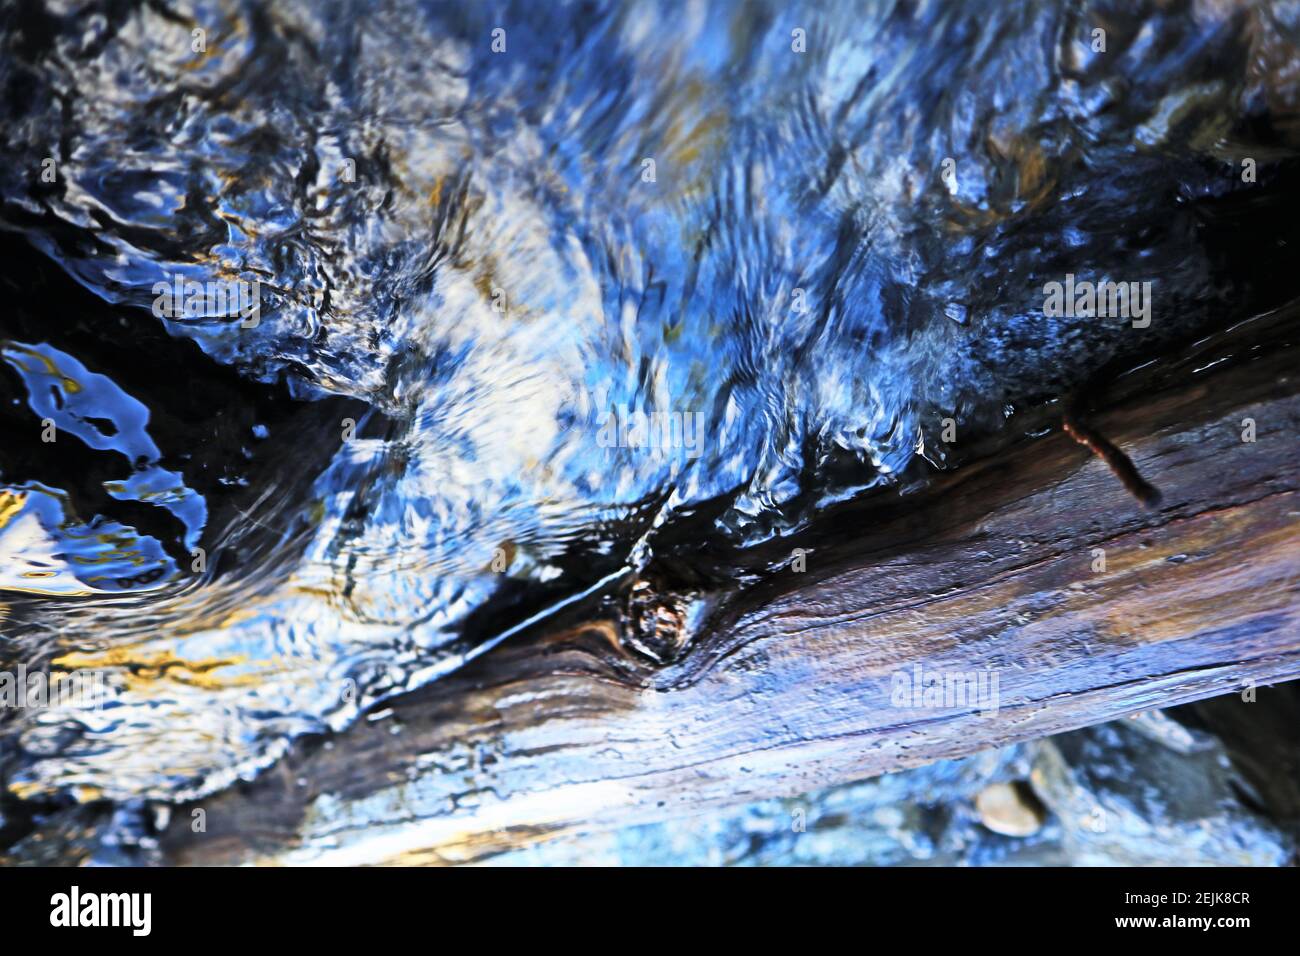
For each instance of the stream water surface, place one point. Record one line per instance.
(332, 327)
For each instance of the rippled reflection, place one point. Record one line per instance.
(636, 258)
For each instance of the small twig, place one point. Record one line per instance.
(1115, 460)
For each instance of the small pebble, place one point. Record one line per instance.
(1010, 809)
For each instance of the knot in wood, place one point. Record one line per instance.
(656, 623)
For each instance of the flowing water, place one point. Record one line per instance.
(343, 339)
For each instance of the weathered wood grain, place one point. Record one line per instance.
(786, 684)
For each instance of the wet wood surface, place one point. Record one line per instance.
(790, 680)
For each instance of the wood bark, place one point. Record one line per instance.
(786, 681)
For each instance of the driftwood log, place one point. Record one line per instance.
(788, 683)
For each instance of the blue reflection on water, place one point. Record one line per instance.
(739, 214)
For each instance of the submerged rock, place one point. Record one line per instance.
(1010, 809)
